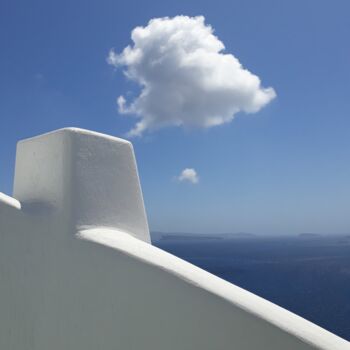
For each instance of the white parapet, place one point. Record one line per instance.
(77, 271)
(7, 201)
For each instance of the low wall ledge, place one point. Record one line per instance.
(8, 201)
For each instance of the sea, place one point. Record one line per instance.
(308, 274)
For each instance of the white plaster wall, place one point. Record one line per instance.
(68, 287)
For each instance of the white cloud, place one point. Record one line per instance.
(188, 175)
(185, 77)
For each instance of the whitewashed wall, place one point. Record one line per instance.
(77, 270)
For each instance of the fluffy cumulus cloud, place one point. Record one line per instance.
(185, 76)
(188, 175)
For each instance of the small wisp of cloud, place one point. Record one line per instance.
(186, 78)
(188, 175)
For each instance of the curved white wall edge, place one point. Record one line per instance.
(285, 321)
(9, 201)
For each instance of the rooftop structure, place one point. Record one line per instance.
(78, 270)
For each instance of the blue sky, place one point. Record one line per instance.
(284, 169)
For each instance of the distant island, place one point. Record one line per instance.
(310, 235)
(157, 236)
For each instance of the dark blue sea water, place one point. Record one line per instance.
(309, 276)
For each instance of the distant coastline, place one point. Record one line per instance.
(196, 236)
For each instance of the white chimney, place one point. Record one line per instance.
(88, 178)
